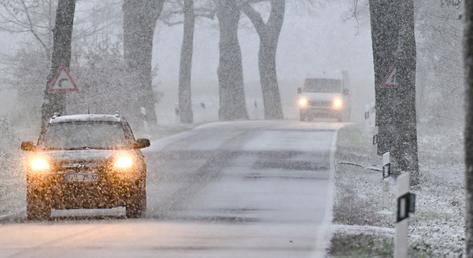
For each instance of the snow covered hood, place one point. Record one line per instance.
(89, 155)
(86, 118)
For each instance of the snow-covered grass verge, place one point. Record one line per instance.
(11, 186)
(362, 200)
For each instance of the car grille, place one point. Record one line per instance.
(77, 166)
(320, 103)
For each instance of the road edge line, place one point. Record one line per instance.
(325, 233)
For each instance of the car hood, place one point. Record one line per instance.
(321, 96)
(88, 155)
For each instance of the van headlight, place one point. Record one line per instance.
(303, 102)
(337, 104)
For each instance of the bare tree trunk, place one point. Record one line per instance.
(185, 71)
(469, 128)
(139, 23)
(384, 34)
(50, 31)
(230, 71)
(269, 33)
(56, 102)
(405, 151)
(394, 46)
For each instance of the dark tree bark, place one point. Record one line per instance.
(405, 149)
(56, 102)
(394, 45)
(185, 70)
(469, 128)
(139, 23)
(384, 34)
(230, 71)
(269, 33)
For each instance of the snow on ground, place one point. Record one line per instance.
(236, 200)
(437, 230)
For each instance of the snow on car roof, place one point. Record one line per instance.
(86, 118)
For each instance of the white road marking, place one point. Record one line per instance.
(325, 234)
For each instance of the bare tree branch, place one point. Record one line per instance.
(173, 13)
(254, 17)
(33, 31)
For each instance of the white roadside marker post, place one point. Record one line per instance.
(375, 136)
(405, 205)
(401, 242)
(367, 118)
(370, 117)
(386, 171)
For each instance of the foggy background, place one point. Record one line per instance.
(316, 40)
(319, 39)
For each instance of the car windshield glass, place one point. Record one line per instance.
(84, 135)
(322, 85)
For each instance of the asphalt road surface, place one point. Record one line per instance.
(236, 189)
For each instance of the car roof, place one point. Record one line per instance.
(86, 118)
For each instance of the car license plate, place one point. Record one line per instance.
(81, 177)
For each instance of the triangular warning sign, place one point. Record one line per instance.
(391, 79)
(62, 82)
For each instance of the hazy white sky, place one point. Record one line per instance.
(314, 42)
(318, 42)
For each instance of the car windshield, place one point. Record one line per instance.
(322, 85)
(84, 135)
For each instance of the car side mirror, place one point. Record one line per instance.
(141, 143)
(346, 92)
(299, 90)
(28, 146)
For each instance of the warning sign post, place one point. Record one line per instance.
(62, 82)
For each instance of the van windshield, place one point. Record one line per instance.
(323, 85)
(83, 135)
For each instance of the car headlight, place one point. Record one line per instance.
(123, 162)
(39, 164)
(337, 104)
(303, 102)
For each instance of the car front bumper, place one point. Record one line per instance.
(108, 191)
(327, 112)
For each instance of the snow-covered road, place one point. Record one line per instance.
(236, 189)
